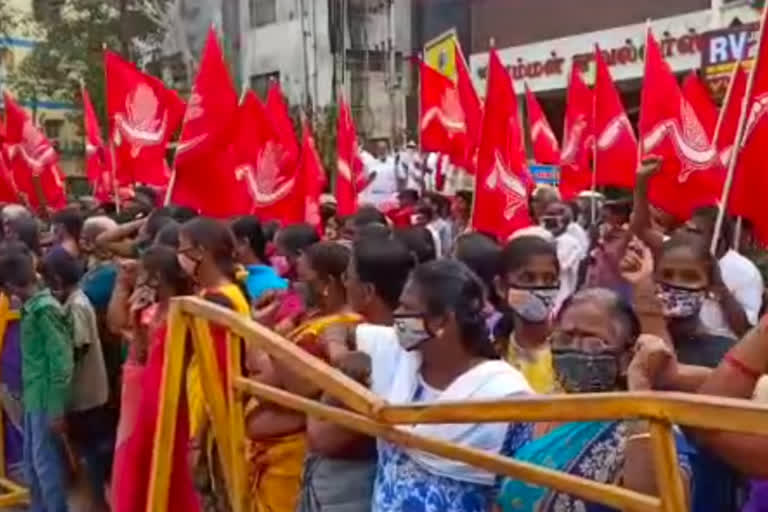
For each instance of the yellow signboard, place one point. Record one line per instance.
(440, 53)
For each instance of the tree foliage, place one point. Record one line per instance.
(71, 42)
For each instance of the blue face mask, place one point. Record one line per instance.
(537, 305)
(411, 331)
(680, 302)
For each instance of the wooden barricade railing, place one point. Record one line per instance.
(369, 414)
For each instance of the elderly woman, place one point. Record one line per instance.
(592, 348)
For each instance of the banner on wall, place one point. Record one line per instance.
(722, 49)
(545, 174)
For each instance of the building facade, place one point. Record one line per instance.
(54, 117)
(317, 48)
(540, 41)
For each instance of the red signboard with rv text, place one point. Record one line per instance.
(722, 49)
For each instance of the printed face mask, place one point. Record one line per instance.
(532, 304)
(581, 372)
(411, 331)
(680, 302)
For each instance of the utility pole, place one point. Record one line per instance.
(304, 34)
(717, 14)
(392, 72)
(315, 88)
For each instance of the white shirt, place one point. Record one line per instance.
(580, 234)
(384, 185)
(570, 253)
(409, 169)
(744, 281)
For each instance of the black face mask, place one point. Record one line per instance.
(581, 372)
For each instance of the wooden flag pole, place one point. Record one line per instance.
(593, 199)
(726, 102)
(471, 222)
(639, 114)
(718, 127)
(738, 142)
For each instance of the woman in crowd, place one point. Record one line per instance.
(161, 272)
(481, 254)
(206, 254)
(339, 470)
(250, 248)
(528, 283)
(443, 354)
(281, 311)
(278, 439)
(591, 349)
(11, 388)
(685, 273)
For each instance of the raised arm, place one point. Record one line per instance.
(640, 221)
(118, 241)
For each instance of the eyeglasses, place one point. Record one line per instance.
(587, 342)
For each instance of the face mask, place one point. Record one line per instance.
(680, 302)
(580, 372)
(411, 331)
(532, 304)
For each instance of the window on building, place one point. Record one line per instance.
(260, 83)
(53, 128)
(262, 12)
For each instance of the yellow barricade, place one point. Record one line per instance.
(369, 414)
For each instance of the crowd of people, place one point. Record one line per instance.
(597, 296)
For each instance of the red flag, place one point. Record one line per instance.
(750, 181)
(473, 110)
(33, 159)
(349, 173)
(697, 94)
(730, 115)
(443, 125)
(690, 176)
(143, 116)
(501, 194)
(281, 120)
(616, 151)
(205, 177)
(8, 192)
(97, 160)
(262, 165)
(578, 138)
(311, 177)
(546, 149)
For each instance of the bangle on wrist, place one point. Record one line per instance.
(742, 367)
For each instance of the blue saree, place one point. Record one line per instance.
(592, 450)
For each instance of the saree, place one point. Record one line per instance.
(277, 464)
(136, 434)
(593, 450)
(10, 390)
(207, 470)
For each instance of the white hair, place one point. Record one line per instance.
(94, 226)
(533, 231)
(13, 212)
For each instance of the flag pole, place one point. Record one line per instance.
(111, 148)
(718, 127)
(738, 142)
(594, 148)
(726, 101)
(639, 114)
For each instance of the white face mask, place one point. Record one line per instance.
(411, 331)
